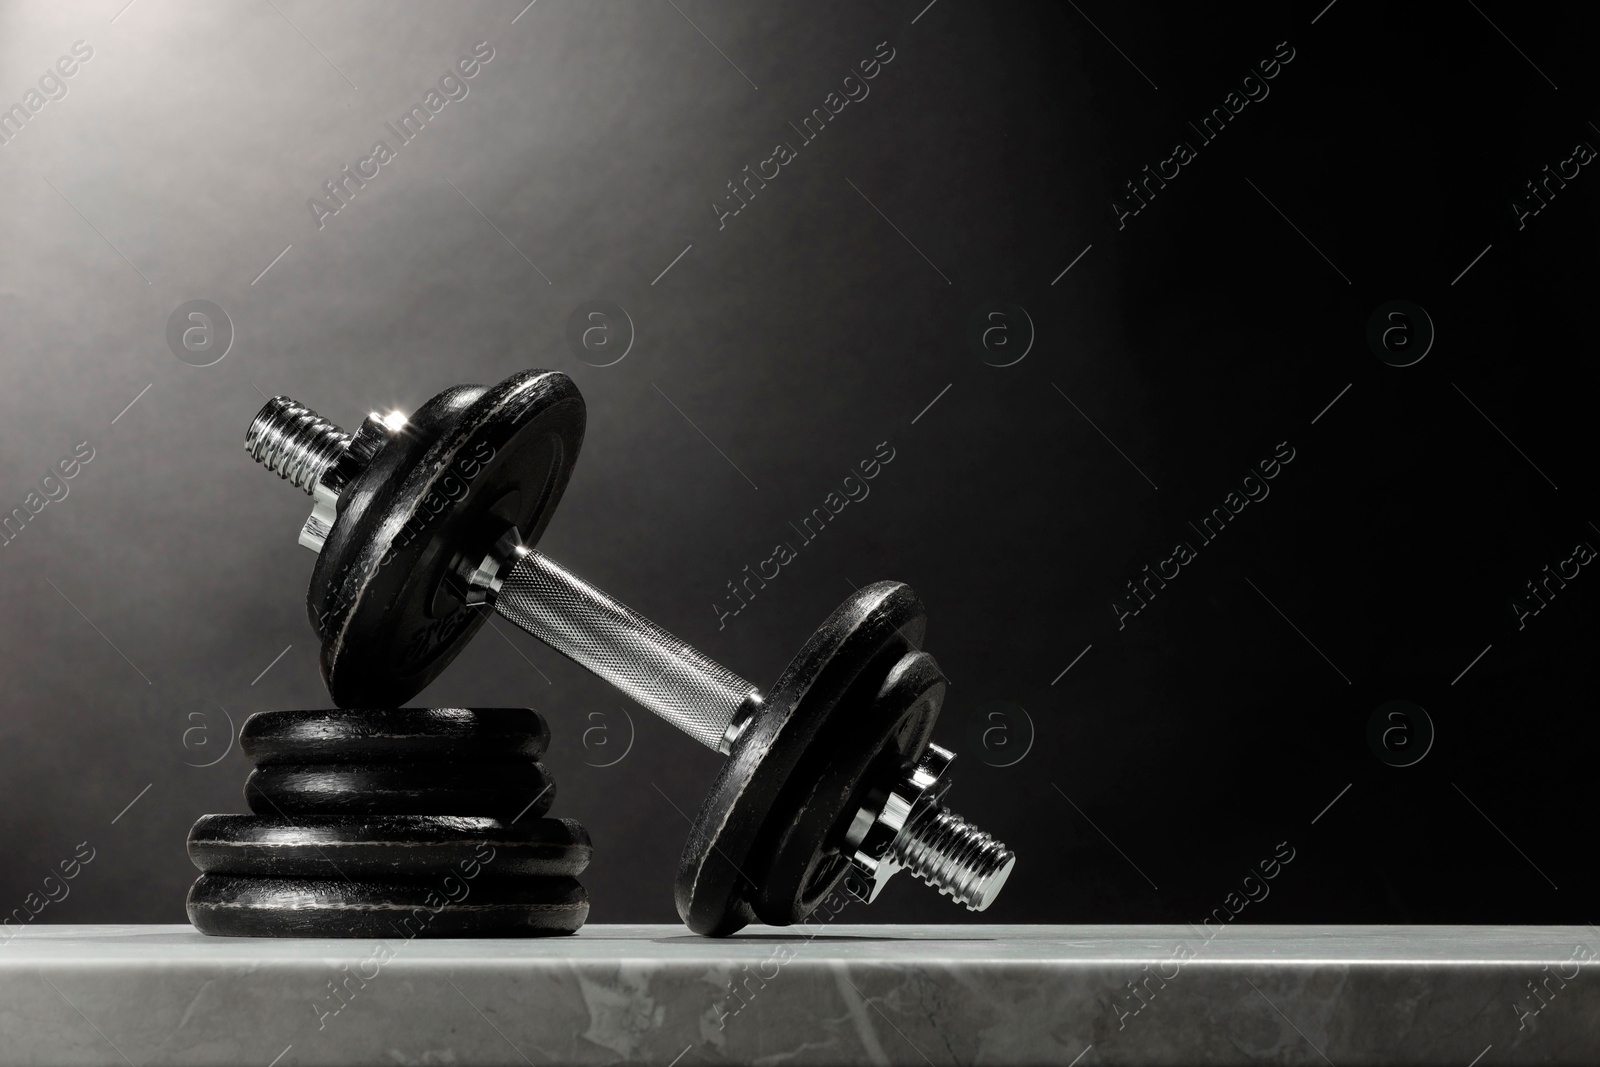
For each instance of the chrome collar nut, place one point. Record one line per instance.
(316, 456)
(883, 815)
(482, 577)
(374, 432)
(908, 828)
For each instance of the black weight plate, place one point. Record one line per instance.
(380, 593)
(872, 733)
(387, 735)
(386, 847)
(492, 790)
(347, 564)
(451, 906)
(869, 631)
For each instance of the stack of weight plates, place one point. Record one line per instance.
(395, 823)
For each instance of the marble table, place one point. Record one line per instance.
(935, 995)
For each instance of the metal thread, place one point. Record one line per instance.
(294, 441)
(942, 849)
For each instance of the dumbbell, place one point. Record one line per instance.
(424, 524)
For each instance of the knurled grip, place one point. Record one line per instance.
(666, 675)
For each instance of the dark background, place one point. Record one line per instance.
(1176, 753)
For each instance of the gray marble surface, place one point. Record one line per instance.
(838, 994)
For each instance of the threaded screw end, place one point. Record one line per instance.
(295, 442)
(948, 853)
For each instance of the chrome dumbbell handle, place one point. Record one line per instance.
(663, 673)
